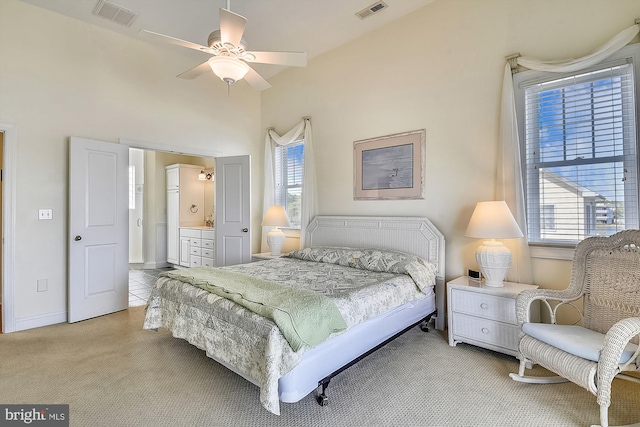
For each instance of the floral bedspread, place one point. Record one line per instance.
(253, 345)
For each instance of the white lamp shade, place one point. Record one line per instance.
(229, 69)
(493, 220)
(276, 217)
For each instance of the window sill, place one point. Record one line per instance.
(550, 252)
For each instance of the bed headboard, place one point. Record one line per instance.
(414, 235)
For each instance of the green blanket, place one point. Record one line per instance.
(304, 317)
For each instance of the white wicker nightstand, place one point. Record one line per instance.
(484, 316)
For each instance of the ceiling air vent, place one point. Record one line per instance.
(374, 8)
(115, 13)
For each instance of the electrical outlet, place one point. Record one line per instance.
(45, 213)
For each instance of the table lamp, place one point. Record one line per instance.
(493, 220)
(277, 217)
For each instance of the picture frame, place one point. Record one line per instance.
(389, 167)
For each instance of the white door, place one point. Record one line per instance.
(98, 228)
(233, 210)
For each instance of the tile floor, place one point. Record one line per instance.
(140, 283)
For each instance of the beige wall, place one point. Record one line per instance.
(438, 69)
(60, 77)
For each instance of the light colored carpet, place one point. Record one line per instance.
(113, 373)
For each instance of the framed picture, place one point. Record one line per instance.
(389, 167)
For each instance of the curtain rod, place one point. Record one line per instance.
(515, 56)
(303, 118)
(513, 62)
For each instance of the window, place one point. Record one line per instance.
(548, 217)
(289, 167)
(579, 151)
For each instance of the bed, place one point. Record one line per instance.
(405, 289)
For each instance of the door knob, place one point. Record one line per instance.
(245, 229)
(77, 238)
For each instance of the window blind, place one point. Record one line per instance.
(289, 167)
(580, 148)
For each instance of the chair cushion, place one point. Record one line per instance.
(579, 341)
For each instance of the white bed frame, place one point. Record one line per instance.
(413, 235)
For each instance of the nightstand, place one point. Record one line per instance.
(264, 255)
(485, 316)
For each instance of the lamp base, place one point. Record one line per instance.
(494, 260)
(275, 240)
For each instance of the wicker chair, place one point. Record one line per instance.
(606, 275)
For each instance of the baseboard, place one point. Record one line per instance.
(30, 322)
(154, 265)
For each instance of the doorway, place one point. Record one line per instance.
(147, 219)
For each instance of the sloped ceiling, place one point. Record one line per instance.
(312, 26)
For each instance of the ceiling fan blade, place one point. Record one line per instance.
(294, 59)
(231, 27)
(195, 71)
(256, 80)
(168, 39)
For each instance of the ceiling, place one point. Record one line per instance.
(311, 26)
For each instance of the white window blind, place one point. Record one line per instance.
(580, 171)
(289, 167)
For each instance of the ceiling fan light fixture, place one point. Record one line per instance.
(229, 69)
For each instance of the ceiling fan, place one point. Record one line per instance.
(229, 55)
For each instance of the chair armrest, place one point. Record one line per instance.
(615, 341)
(526, 298)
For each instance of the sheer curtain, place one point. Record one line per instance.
(308, 180)
(509, 185)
